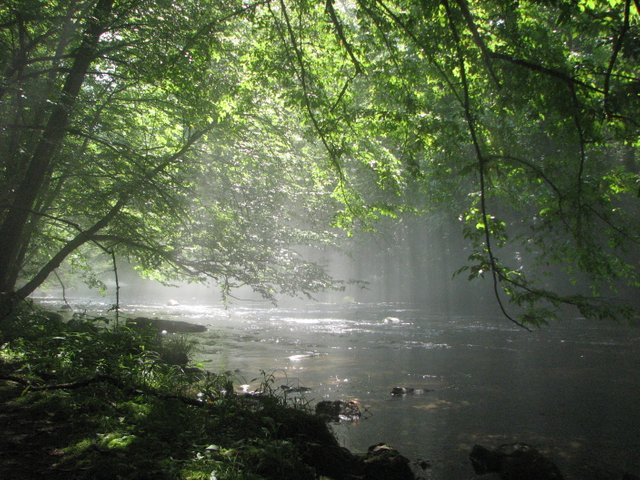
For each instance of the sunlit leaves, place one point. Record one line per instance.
(534, 104)
(177, 119)
(238, 131)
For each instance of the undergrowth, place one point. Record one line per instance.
(84, 399)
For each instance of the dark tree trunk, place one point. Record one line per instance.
(12, 229)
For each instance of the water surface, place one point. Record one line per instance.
(572, 388)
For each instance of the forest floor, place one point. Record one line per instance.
(97, 433)
(82, 400)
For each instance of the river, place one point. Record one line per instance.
(572, 388)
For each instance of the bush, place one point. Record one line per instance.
(176, 350)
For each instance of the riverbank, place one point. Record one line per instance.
(84, 400)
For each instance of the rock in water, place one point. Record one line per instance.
(398, 391)
(402, 391)
(517, 461)
(383, 462)
(338, 410)
(171, 326)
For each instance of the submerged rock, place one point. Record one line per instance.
(517, 461)
(170, 326)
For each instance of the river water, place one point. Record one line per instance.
(572, 388)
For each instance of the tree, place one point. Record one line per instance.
(118, 120)
(518, 117)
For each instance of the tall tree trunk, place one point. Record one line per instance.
(13, 227)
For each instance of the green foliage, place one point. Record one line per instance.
(101, 402)
(221, 144)
(518, 120)
(173, 155)
(176, 350)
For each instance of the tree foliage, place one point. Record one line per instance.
(518, 117)
(137, 128)
(178, 133)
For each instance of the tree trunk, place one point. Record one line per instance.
(27, 192)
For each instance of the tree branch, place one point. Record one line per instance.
(301, 71)
(187, 268)
(424, 49)
(551, 72)
(534, 168)
(571, 83)
(115, 274)
(495, 270)
(64, 296)
(614, 55)
(30, 187)
(486, 53)
(341, 36)
(80, 239)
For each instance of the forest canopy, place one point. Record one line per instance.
(216, 139)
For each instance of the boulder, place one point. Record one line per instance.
(517, 461)
(332, 461)
(383, 462)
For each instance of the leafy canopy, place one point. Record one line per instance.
(517, 118)
(214, 139)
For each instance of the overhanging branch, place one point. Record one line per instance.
(486, 53)
(341, 36)
(80, 239)
(495, 270)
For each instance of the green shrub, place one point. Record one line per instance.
(176, 350)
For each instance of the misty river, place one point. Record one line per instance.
(572, 389)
